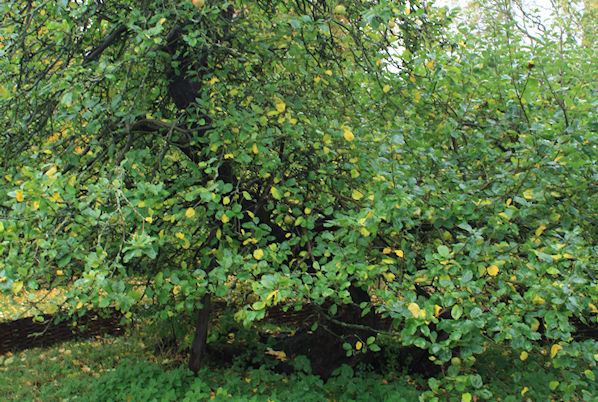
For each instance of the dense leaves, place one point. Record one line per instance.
(292, 152)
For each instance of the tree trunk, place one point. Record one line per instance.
(198, 347)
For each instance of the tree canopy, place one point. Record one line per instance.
(363, 156)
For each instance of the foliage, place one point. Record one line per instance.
(137, 381)
(451, 173)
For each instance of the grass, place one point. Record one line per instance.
(39, 373)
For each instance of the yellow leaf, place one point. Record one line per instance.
(35, 205)
(466, 397)
(592, 307)
(364, 232)
(229, 156)
(59, 272)
(272, 294)
(190, 212)
(17, 286)
(226, 200)
(358, 345)
(56, 197)
(348, 135)
(179, 235)
(19, 195)
(51, 171)
(224, 218)
(528, 194)
(535, 324)
(328, 72)
(504, 215)
(79, 305)
(357, 195)
(412, 78)
(51, 309)
(293, 120)
(307, 210)
(399, 253)
(555, 349)
(279, 355)
(523, 355)
(386, 88)
(524, 390)
(258, 254)
(389, 276)
(540, 229)
(437, 309)
(568, 256)
(280, 106)
(415, 310)
(254, 149)
(275, 193)
(538, 300)
(492, 270)
(149, 219)
(176, 290)
(430, 64)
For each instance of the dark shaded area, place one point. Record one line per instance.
(322, 346)
(26, 333)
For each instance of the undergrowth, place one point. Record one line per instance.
(128, 368)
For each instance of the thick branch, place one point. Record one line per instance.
(110, 39)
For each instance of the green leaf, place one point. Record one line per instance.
(444, 251)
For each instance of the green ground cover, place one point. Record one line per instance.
(128, 368)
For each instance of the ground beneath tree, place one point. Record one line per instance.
(323, 346)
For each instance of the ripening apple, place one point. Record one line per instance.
(198, 3)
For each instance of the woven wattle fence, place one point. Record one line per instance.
(26, 333)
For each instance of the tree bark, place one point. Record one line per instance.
(198, 346)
